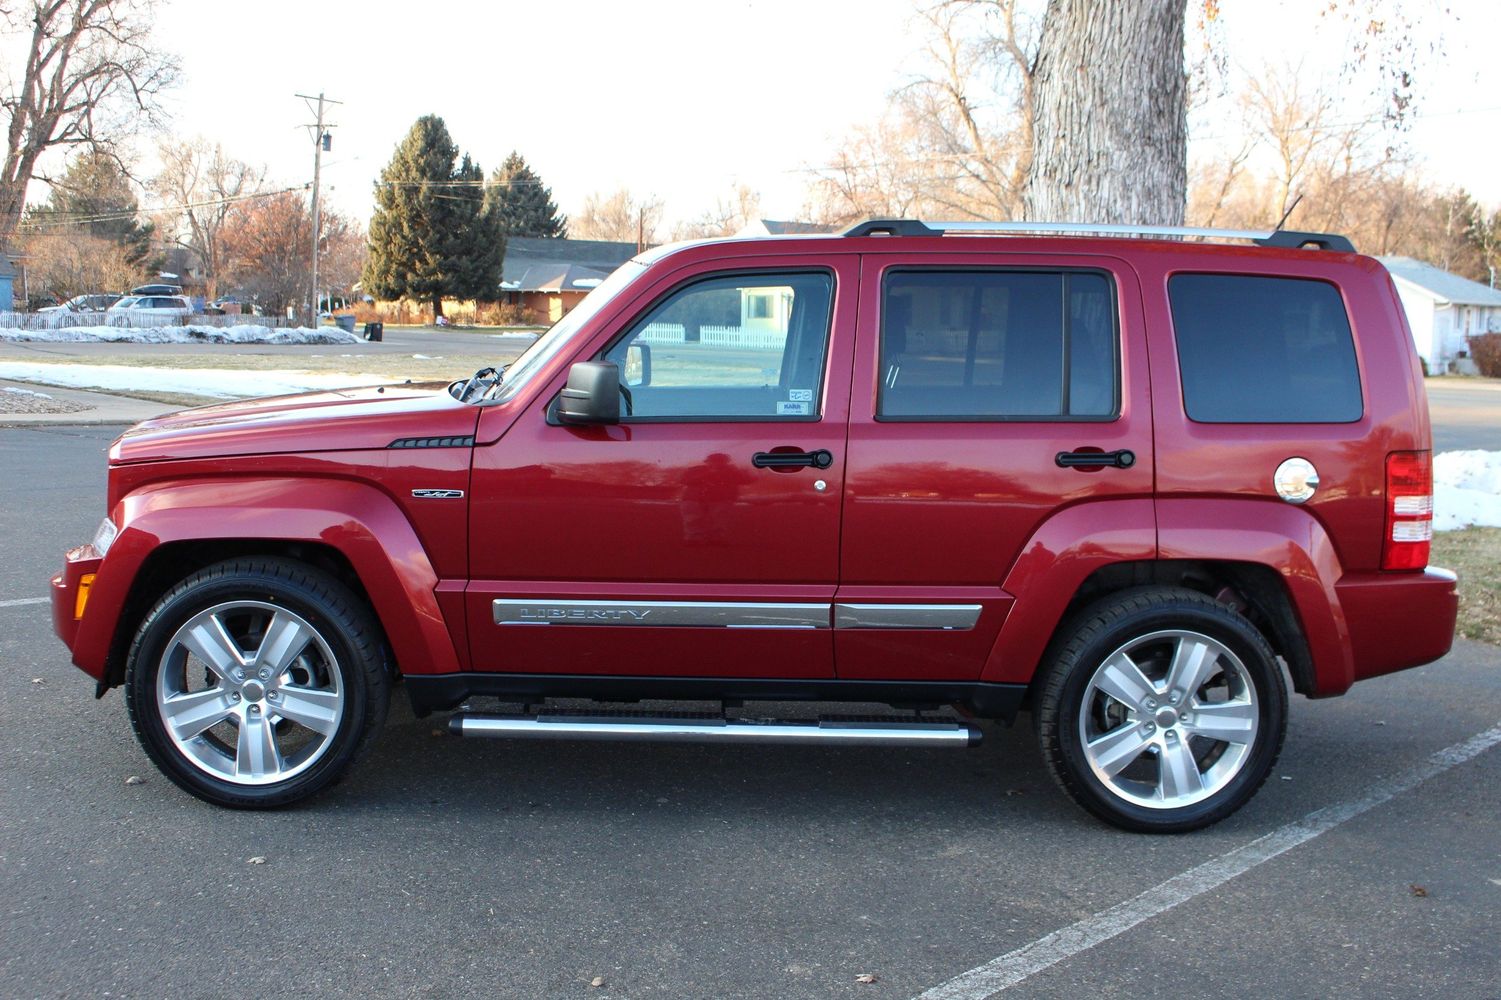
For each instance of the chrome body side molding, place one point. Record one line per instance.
(960, 617)
(698, 614)
(734, 614)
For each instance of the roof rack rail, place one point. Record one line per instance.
(1284, 238)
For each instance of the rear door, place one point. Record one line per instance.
(700, 536)
(990, 390)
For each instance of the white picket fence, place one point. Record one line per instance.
(61, 319)
(716, 336)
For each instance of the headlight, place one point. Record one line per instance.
(105, 536)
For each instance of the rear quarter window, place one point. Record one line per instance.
(1266, 350)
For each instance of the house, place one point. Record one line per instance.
(548, 277)
(7, 284)
(1444, 311)
(777, 227)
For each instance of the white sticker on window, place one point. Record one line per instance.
(800, 395)
(794, 409)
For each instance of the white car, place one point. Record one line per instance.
(144, 310)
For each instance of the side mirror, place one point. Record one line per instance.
(592, 395)
(637, 365)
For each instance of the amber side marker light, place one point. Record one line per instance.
(84, 583)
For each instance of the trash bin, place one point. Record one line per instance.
(345, 323)
(375, 331)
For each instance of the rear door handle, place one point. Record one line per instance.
(820, 459)
(1122, 459)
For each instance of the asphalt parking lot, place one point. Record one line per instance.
(1368, 866)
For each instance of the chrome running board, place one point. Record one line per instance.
(897, 731)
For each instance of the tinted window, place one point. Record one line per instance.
(997, 345)
(1264, 350)
(740, 347)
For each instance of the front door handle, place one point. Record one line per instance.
(1122, 459)
(820, 459)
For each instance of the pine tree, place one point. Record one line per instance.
(523, 204)
(431, 235)
(94, 196)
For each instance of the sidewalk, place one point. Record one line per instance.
(1474, 383)
(45, 404)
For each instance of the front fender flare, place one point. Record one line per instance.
(364, 524)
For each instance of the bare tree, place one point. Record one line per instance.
(201, 189)
(954, 141)
(266, 242)
(620, 217)
(90, 77)
(68, 263)
(728, 217)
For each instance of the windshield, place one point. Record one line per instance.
(555, 339)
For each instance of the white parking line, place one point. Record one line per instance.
(24, 602)
(1002, 973)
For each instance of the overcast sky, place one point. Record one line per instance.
(680, 99)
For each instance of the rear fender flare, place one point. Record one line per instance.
(1061, 554)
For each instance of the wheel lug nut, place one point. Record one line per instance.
(1174, 698)
(1151, 703)
(272, 695)
(265, 673)
(255, 710)
(234, 696)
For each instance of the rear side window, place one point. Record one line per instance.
(997, 345)
(1258, 350)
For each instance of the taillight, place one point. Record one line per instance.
(1409, 510)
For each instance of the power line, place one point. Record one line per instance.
(57, 220)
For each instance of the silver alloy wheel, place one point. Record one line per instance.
(1168, 719)
(250, 693)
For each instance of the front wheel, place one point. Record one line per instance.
(1163, 711)
(256, 682)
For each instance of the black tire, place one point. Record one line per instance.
(1154, 624)
(339, 678)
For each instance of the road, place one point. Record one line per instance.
(1466, 414)
(446, 868)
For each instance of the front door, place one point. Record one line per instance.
(700, 535)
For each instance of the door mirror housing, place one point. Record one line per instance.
(592, 395)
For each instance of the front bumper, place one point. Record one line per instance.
(77, 564)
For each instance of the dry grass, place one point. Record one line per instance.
(1475, 554)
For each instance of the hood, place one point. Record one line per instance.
(335, 420)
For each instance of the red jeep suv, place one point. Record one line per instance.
(1133, 485)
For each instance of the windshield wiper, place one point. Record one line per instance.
(485, 378)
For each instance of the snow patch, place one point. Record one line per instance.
(25, 392)
(1466, 489)
(220, 383)
(243, 334)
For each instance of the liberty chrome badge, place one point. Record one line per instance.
(438, 494)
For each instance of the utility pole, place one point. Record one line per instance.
(322, 140)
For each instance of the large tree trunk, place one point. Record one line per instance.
(1109, 127)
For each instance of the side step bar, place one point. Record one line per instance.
(687, 728)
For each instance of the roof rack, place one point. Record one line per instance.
(1284, 238)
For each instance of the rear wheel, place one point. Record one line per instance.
(256, 682)
(1162, 711)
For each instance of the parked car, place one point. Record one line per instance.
(1137, 487)
(134, 309)
(156, 289)
(84, 303)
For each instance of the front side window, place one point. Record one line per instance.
(998, 345)
(1255, 349)
(737, 347)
